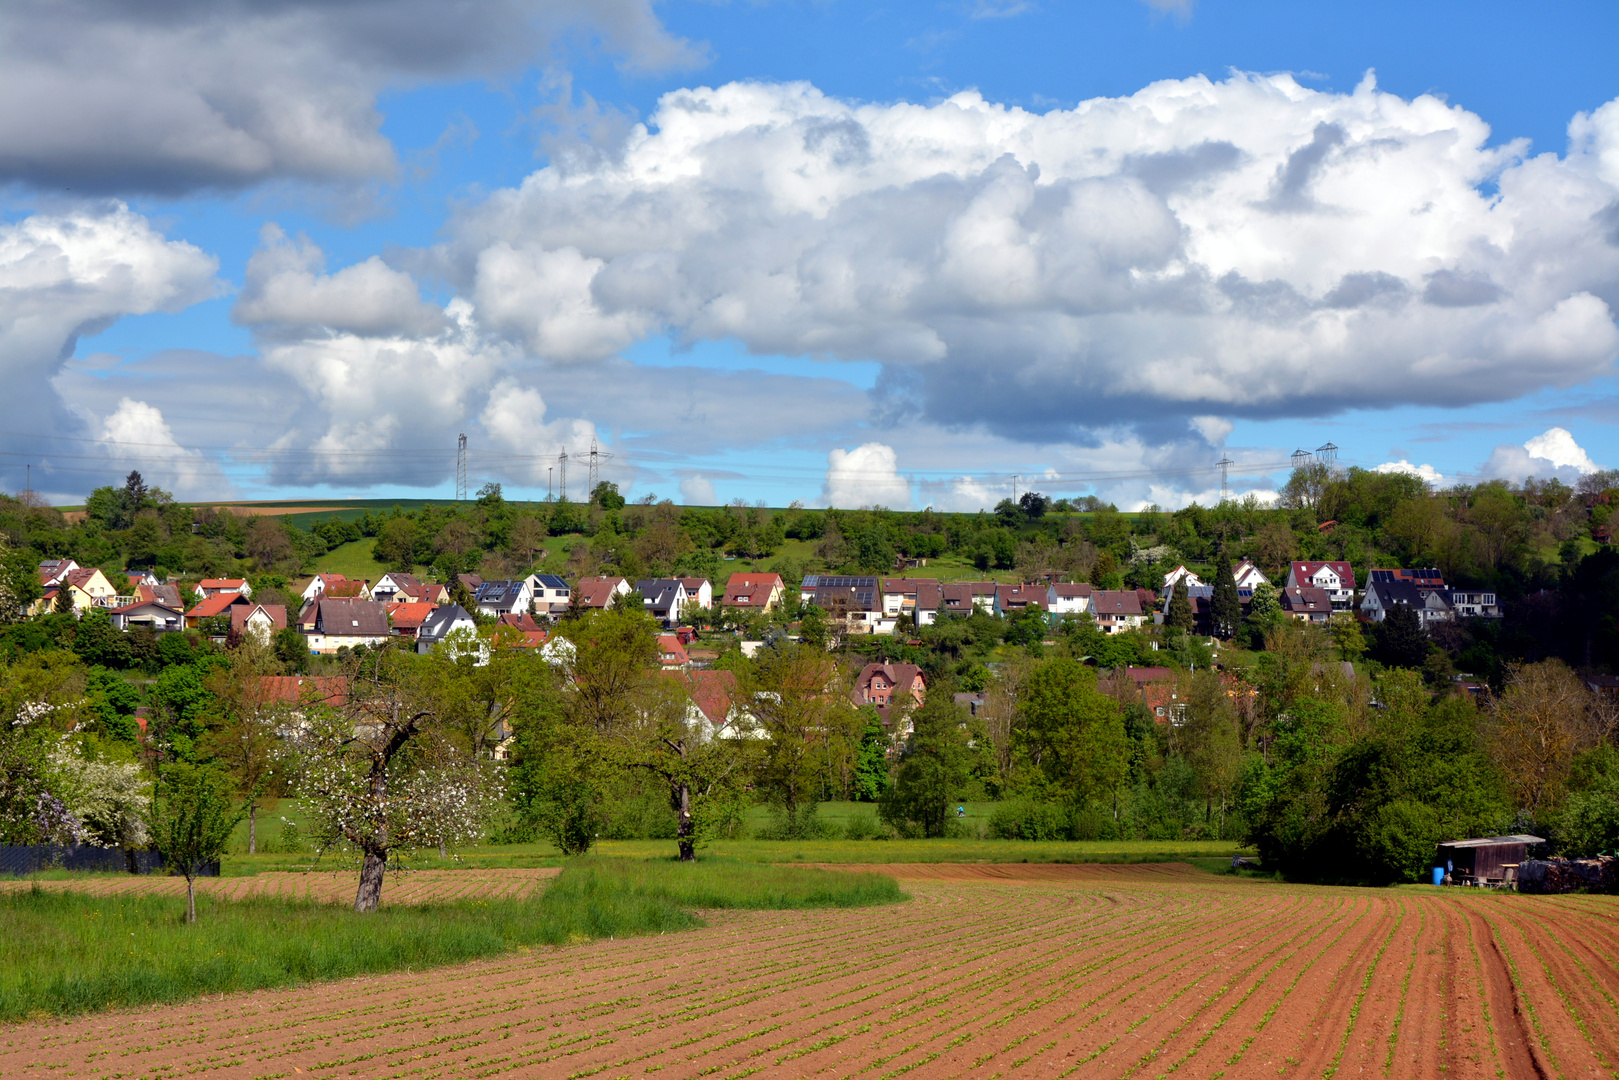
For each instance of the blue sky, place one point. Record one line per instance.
(837, 298)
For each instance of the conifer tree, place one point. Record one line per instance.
(1225, 609)
(1180, 608)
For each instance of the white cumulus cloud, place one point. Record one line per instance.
(868, 475)
(135, 436)
(72, 274)
(1426, 472)
(698, 490)
(1198, 249)
(1554, 453)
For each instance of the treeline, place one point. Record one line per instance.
(1335, 771)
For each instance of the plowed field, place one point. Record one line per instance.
(1016, 971)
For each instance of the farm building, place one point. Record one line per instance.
(1484, 860)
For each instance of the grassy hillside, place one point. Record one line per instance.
(352, 560)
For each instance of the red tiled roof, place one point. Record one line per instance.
(222, 583)
(408, 614)
(597, 592)
(711, 691)
(751, 590)
(240, 613)
(217, 604)
(670, 650)
(294, 689)
(524, 622)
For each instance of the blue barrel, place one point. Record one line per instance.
(1439, 875)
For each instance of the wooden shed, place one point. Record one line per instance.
(1484, 860)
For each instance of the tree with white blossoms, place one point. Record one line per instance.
(41, 699)
(109, 797)
(378, 776)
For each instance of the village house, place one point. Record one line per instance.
(964, 597)
(1179, 574)
(1306, 603)
(440, 623)
(1201, 598)
(1384, 595)
(663, 598)
(503, 597)
(887, 686)
(1012, 599)
(1065, 599)
(1117, 611)
(699, 591)
(259, 620)
(1474, 604)
(215, 606)
(405, 617)
(213, 586)
(1337, 578)
(1248, 577)
(408, 588)
(918, 598)
(853, 600)
(52, 571)
(330, 690)
(551, 594)
(598, 593)
(87, 587)
(332, 623)
(757, 592)
(716, 708)
(156, 615)
(672, 653)
(335, 585)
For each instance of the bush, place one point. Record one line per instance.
(863, 825)
(1030, 819)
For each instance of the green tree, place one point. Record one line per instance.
(1180, 614)
(193, 815)
(1071, 731)
(1225, 608)
(871, 774)
(794, 693)
(1401, 640)
(935, 767)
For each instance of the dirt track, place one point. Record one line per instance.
(1022, 971)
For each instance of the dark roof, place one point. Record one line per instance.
(340, 616)
(441, 620)
(858, 592)
(551, 581)
(499, 592)
(1110, 602)
(1305, 598)
(1392, 593)
(658, 593)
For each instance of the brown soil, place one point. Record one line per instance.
(1026, 970)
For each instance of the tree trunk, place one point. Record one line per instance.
(686, 831)
(252, 827)
(443, 852)
(370, 892)
(191, 899)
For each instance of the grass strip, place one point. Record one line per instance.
(68, 952)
